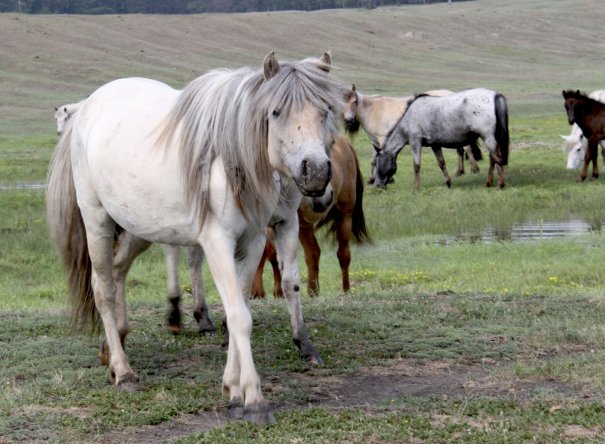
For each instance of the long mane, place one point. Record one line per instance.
(224, 113)
(407, 107)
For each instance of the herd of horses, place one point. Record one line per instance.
(238, 167)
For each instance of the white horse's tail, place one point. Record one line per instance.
(502, 136)
(67, 231)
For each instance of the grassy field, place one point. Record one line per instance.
(445, 336)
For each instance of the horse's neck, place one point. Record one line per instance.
(378, 114)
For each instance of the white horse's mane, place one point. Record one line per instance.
(224, 113)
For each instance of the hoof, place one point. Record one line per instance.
(308, 353)
(205, 327)
(260, 415)
(236, 409)
(459, 173)
(448, 184)
(129, 384)
(174, 329)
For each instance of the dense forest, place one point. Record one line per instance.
(187, 6)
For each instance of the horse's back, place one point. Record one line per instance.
(120, 163)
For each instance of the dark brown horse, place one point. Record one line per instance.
(589, 115)
(341, 207)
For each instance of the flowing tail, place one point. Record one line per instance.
(360, 230)
(67, 231)
(502, 136)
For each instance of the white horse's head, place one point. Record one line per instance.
(62, 115)
(302, 105)
(575, 147)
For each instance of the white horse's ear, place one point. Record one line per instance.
(563, 137)
(270, 66)
(326, 59)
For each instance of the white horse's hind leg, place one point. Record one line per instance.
(220, 253)
(494, 159)
(195, 256)
(99, 234)
(126, 250)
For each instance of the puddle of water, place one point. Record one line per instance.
(529, 230)
(23, 186)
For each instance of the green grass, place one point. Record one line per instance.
(505, 338)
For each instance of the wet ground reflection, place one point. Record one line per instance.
(529, 230)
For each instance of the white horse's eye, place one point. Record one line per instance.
(578, 150)
(276, 113)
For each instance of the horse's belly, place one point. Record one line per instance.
(148, 201)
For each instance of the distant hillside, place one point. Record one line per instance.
(527, 50)
(189, 6)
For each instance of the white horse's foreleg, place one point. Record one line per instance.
(416, 154)
(220, 253)
(286, 240)
(195, 256)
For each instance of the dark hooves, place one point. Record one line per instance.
(259, 415)
(236, 409)
(308, 353)
(206, 328)
(130, 384)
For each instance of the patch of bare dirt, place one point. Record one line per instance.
(372, 388)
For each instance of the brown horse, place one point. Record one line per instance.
(341, 206)
(378, 114)
(589, 115)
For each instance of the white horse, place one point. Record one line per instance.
(575, 144)
(129, 247)
(454, 120)
(212, 165)
(378, 114)
(63, 113)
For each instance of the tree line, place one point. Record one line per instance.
(188, 6)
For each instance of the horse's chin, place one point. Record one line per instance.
(323, 202)
(314, 189)
(312, 193)
(351, 125)
(381, 183)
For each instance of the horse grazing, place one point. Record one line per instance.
(575, 144)
(212, 165)
(128, 247)
(341, 206)
(378, 114)
(63, 113)
(449, 121)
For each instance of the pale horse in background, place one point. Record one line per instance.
(575, 144)
(128, 247)
(63, 113)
